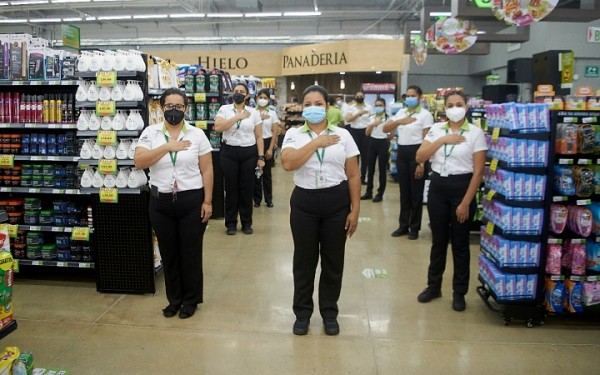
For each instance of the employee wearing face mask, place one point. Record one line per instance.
(411, 124)
(457, 152)
(334, 114)
(181, 182)
(324, 208)
(357, 117)
(270, 125)
(242, 151)
(378, 153)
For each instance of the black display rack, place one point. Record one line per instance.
(12, 325)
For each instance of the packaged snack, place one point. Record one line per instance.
(573, 301)
(553, 259)
(587, 139)
(7, 358)
(567, 254)
(592, 256)
(558, 218)
(564, 183)
(584, 181)
(566, 139)
(554, 296)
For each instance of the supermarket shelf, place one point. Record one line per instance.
(119, 105)
(209, 122)
(54, 263)
(120, 162)
(575, 200)
(533, 134)
(579, 159)
(120, 74)
(120, 190)
(526, 270)
(514, 236)
(120, 133)
(516, 202)
(45, 228)
(39, 83)
(46, 158)
(521, 168)
(564, 113)
(503, 301)
(8, 329)
(208, 94)
(39, 190)
(29, 125)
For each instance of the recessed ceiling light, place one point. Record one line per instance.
(29, 2)
(187, 15)
(440, 14)
(149, 16)
(301, 14)
(225, 15)
(72, 19)
(260, 14)
(44, 20)
(108, 18)
(14, 20)
(69, 1)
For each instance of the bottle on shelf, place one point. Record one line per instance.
(52, 109)
(58, 109)
(45, 110)
(23, 114)
(16, 117)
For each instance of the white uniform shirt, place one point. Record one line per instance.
(460, 158)
(334, 157)
(412, 134)
(268, 123)
(377, 131)
(186, 170)
(362, 121)
(242, 132)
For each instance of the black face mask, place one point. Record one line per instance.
(360, 100)
(239, 98)
(174, 117)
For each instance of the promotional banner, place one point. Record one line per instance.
(522, 12)
(452, 35)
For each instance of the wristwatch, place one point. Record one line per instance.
(261, 157)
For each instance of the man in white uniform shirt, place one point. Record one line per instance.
(357, 116)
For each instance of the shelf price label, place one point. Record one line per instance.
(108, 108)
(107, 166)
(495, 135)
(7, 161)
(493, 165)
(109, 195)
(107, 138)
(489, 228)
(106, 79)
(80, 234)
(202, 125)
(200, 97)
(490, 194)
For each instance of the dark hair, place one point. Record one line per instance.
(359, 92)
(316, 88)
(331, 100)
(416, 88)
(380, 100)
(459, 93)
(267, 92)
(242, 84)
(172, 91)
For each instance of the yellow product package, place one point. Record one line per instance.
(6, 278)
(7, 358)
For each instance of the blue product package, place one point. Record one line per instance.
(512, 120)
(523, 255)
(539, 189)
(532, 151)
(543, 116)
(574, 296)
(521, 285)
(508, 183)
(526, 220)
(513, 253)
(511, 286)
(505, 216)
(522, 152)
(519, 184)
(537, 220)
(543, 152)
(510, 152)
(529, 186)
(554, 296)
(533, 116)
(533, 256)
(531, 289)
(516, 218)
(592, 256)
(522, 115)
(503, 246)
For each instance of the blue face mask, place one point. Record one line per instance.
(313, 114)
(379, 110)
(411, 101)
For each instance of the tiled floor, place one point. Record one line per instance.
(244, 326)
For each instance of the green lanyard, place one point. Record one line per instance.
(447, 154)
(239, 122)
(172, 154)
(321, 156)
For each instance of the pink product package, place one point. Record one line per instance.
(591, 293)
(558, 218)
(553, 259)
(567, 254)
(578, 259)
(580, 220)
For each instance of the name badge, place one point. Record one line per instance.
(444, 170)
(320, 179)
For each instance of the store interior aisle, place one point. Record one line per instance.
(245, 323)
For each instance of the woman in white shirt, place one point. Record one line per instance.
(357, 118)
(378, 151)
(242, 151)
(457, 151)
(270, 125)
(324, 207)
(181, 182)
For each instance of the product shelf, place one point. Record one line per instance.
(539, 203)
(527, 269)
(40, 83)
(46, 228)
(502, 301)
(46, 158)
(120, 162)
(120, 133)
(120, 190)
(563, 113)
(519, 168)
(28, 125)
(28, 190)
(533, 134)
(578, 159)
(121, 74)
(55, 263)
(509, 235)
(579, 201)
(208, 94)
(119, 105)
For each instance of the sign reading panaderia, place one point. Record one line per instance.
(321, 59)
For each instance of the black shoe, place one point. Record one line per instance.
(377, 198)
(187, 311)
(170, 311)
(366, 196)
(331, 326)
(301, 326)
(231, 231)
(458, 302)
(363, 182)
(399, 232)
(256, 204)
(270, 204)
(428, 294)
(413, 235)
(247, 230)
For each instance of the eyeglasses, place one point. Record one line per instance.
(179, 107)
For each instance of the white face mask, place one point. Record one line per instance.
(263, 102)
(456, 114)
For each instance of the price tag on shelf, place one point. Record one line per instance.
(495, 135)
(109, 195)
(560, 198)
(557, 277)
(37, 263)
(493, 165)
(584, 161)
(490, 194)
(107, 166)
(33, 191)
(80, 234)
(57, 229)
(572, 120)
(489, 228)
(35, 227)
(108, 108)
(30, 126)
(12, 230)
(578, 240)
(106, 79)
(5, 190)
(202, 125)
(584, 202)
(7, 161)
(17, 83)
(107, 138)
(558, 241)
(589, 120)
(85, 265)
(200, 97)
(61, 264)
(565, 161)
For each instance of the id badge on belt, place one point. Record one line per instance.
(174, 185)
(320, 179)
(444, 170)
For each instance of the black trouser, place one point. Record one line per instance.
(445, 194)
(362, 141)
(411, 188)
(238, 164)
(317, 220)
(265, 182)
(180, 232)
(378, 153)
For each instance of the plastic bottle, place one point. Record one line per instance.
(200, 81)
(16, 108)
(58, 109)
(214, 81)
(63, 110)
(52, 110)
(39, 109)
(24, 116)
(45, 110)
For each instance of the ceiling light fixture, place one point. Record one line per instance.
(72, 19)
(44, 20)
(342, 84)
(14, 20)
(3, 3)
(415, 31)
(149, 16)
(259, 14)
(301, 14)
(440, 14)
(481, 32)
(35, 2)
(225, 15)
(378, 72)
(188, 15)
(292, 86)
(70, 1)
(90, 18)
(109, 18)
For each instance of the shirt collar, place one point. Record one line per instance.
(417, 109)
(463, 127)
(306, 129)
(183, 128)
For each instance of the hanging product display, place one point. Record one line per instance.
(522, 12)
(452, 35)
(419, 52)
